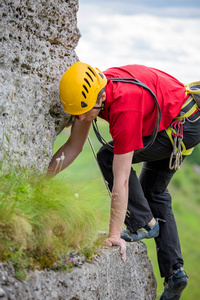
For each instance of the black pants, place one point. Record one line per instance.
(149, 196)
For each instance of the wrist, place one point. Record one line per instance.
(114, 234)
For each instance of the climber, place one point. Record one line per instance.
(153, 119)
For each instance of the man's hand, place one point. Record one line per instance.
(114, 240)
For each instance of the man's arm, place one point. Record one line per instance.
(71, 149)
(121, 171)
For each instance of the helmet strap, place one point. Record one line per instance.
(102, 107)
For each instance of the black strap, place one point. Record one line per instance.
(157, 122)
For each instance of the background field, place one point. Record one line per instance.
(84, 177)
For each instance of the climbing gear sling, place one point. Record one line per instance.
(93, 151)
(175, 130)
(157, 122)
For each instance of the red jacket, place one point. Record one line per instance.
(131, 110)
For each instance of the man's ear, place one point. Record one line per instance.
(103, 97)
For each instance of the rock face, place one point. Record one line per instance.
(107, 278)
(37, 46)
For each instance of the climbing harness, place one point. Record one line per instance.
(157, 122)
(175, 130)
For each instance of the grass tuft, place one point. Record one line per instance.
(42, 220)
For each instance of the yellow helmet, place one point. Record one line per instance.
(79, 88)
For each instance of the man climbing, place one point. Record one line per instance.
(152, 119)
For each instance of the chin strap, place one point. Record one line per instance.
(102, 107)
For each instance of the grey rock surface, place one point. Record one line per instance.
(106, 278)
(37, 39)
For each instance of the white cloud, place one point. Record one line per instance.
(170, 44)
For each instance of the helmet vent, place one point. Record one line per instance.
(92, 71)
(89, 75)
(84, 95)
(85, 88)
(83, 104)
(87, 82)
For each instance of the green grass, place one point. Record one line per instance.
(43, 221)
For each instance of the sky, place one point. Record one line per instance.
(156, 33)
